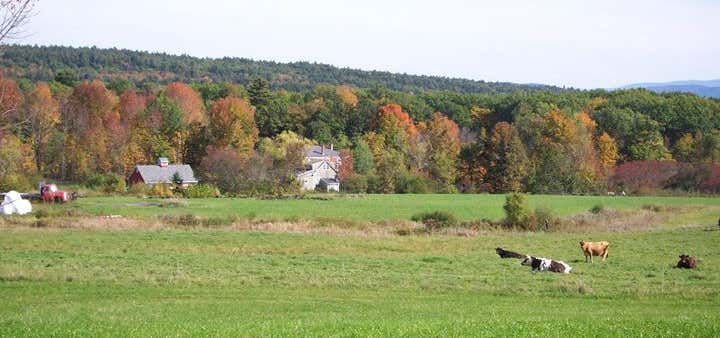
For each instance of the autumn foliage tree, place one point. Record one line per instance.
(188, 100)
(564, 153)
(442, 139)
(221, 167)
(232, 124)
(10, 100)
(347, 168)
(507, 159)
(347, 96)
(43, 114)
(131, 105)
(92, 118)
(608, 150)
(17, 168)
(137, 150)
(588, 167)
(473, 165)
(392, 121)
(168, 127)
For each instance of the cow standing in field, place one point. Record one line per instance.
(545, 264)
(591, 249)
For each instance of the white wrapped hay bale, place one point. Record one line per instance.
(22, 207)
(11, 197)
(14, 204)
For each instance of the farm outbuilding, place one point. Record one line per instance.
(329, 184)
(162, 173)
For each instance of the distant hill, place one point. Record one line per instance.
(42, 62)
(710, 88)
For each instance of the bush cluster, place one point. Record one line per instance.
(17, 182)
(516, 209)
(107, 183)
(519, 216)
(168, 191)
(436, 219)
(200, 191)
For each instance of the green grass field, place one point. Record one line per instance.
(369, 207)
(173, 281)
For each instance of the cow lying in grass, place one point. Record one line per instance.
(544, 264)
(591, 249)
(686, 262)
(508, 254)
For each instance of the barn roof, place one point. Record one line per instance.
(152, 174)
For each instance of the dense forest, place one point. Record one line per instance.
(41, 63)
(246, 137)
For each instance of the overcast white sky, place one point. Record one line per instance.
(578, 43)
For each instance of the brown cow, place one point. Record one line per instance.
(591, 249)
(686, 262)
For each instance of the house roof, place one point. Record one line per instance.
(157, 174)
(316, 151)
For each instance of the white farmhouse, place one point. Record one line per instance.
(321, 168)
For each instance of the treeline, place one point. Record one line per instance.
(249, 139)
(40, 63)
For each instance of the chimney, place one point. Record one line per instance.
(332, 146)
(162, 162)
(322, 150)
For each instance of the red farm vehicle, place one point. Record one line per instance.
(49, 193)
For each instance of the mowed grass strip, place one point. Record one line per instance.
(465, 207)
(111, 310)
(227, 283)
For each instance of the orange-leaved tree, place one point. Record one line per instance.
(189, 101)
(441, 137)
(43, 114)
(92, 118)
(10, 100)
(608, 150)
(131, 105)
(232, 124)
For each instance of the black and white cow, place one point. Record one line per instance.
(544, 264)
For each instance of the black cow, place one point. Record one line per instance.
(508, 254)
(686, 262)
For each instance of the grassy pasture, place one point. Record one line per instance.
(369, 207)
(192, 281)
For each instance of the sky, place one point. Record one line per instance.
(574, 43)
